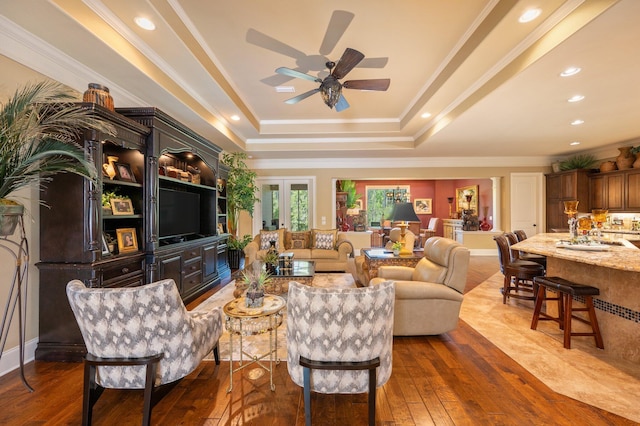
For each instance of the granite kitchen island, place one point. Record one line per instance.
(615, 271)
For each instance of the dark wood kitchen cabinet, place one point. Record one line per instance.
(617, 191)
(566, 186)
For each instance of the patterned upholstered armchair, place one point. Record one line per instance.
(334, 336)
(140, 338)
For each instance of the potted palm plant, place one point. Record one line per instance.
(38, 126)
(241, 195)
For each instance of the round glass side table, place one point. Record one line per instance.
(242, 321)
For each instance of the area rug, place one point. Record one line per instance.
(583, 372)
(259, 344)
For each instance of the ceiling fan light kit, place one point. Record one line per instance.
(330, 88)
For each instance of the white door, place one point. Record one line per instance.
(284, 203)
(527, 202)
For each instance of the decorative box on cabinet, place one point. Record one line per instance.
(566, 186)
(72, 225)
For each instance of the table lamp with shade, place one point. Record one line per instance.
(404, 213)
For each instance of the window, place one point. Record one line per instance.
(380, 200)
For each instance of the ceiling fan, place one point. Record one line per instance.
(330, 88)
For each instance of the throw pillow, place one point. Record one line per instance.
(297, 240)
(324, 239)
(266, 237)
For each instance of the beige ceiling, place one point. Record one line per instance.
(491, 84)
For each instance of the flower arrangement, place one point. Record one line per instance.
(396, 247)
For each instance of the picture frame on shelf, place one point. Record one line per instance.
(105, 246)
(461, 198)
(127, 240)
(423, 205)
(124, 173)
(121, 206)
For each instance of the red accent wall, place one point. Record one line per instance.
(438, 191)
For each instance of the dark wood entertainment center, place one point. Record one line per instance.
(73, 222)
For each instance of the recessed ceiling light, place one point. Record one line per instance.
(426, 115)
(570, 71)
(529, 15)
(145, 23)
(285, 89)
(575, 98)
(577, 122)
(235, 117)
(574, 143)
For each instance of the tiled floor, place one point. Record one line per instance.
(582, 372)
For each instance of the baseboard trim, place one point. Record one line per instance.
(11, 358)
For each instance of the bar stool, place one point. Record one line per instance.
(518, 274)
(566, 290)
(521, 235)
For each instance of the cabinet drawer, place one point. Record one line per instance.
(192, 266)
(134, 280)
(190, 254)
(124, 269)
(191, 281)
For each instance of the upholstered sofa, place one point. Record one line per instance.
(429, 296)
(329, 248)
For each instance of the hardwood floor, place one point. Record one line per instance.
(458, 378)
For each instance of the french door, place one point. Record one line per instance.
(284, 203)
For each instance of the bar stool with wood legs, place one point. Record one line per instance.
(521, 235)
(566, 290)
(518, 274)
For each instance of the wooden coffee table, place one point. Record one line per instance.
(303, 272)
(374, 258)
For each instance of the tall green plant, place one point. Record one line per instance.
(349, 187)
(38, 126)
(241, 189)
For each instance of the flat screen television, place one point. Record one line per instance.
(179, 213)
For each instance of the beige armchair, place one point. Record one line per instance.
(429, 296)
(362, 274)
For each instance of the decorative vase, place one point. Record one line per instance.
(625, 159)
(485, 225)
(396, 252)
(608, 166)
(254, 298)
(109, 167)
(636, 164)
(9, 217)
(99, 95)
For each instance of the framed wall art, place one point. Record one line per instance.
(422, 206)
(461, 198)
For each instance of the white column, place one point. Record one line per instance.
(497, 202)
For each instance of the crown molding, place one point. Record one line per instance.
(397, 163)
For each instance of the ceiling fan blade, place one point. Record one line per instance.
(298, 98)
(342, 104)
(259, 39)
(380, 84)
(350, 58)
(340, 20)
(298, 74)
